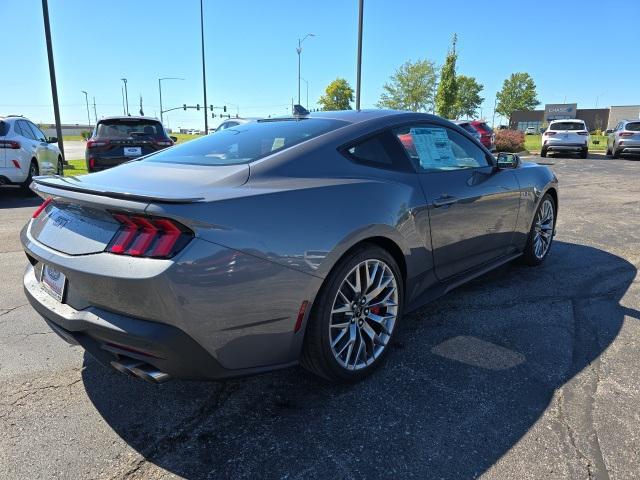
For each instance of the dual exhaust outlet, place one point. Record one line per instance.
(140, 370)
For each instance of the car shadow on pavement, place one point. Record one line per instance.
(468, 377)
(16, 197)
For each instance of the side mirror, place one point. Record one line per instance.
(174, 139)
(608, 131)
(52, 140)
(507, 160)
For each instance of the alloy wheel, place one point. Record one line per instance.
(363, 314)
(543, 229)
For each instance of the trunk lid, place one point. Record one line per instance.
(79, 220)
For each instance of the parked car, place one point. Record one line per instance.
(624, 139)
(466, 125)
(290, 240)
(25, 152)
(530, 131)
(566, 136)
(116, 140)
(234, 122)
(487, 136)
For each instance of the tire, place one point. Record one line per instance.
(531, 255)
(608, 154)
(584, 153)
(615, 153)
(351, 353)
(543, 153)
(33, 172)
(60, 168)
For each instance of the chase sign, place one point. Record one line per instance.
(558, 111)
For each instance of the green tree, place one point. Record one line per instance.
(468, 100)
(448, 87)
(410, 87)
(337, 96)
(518, 93)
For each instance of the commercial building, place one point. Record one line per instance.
(594, 118)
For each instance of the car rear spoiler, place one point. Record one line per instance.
(60, 183)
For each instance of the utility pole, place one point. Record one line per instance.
(495, 103)
(126, 96)
(52, 76)
(141, 110)
(95, 114)
(204, 78)
(299, 50)
(86, 101)
(359, 64)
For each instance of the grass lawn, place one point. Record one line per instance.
(71, 138)
(184, 137)
(533, 143)
(75, 167)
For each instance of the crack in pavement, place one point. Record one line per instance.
(182, 431)
(33, 391)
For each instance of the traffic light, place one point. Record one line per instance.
(184, 106)
(198, 106)
(225, 109)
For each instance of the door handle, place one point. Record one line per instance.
(444, 201)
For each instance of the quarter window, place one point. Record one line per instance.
(372, 151)
(434, 148)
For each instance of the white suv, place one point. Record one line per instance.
(25, 152)
(566, 136)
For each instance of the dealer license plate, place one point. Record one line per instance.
(132, 151)
(53, 281)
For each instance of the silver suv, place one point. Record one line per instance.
(566, 136)
(625, 138)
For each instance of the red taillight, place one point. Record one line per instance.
(16, 163)
(164, 143)
(97, 143)
(41, 208)
(583, 133)
(12, 144)
(141, 236)
(549, 133)
(92, 162)
(626, 134)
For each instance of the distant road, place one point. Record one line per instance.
(74, 149)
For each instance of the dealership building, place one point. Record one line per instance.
(594, 118)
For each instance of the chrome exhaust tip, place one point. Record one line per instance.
(126, 367)
(150, 374)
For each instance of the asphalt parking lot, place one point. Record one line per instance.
(523, 373)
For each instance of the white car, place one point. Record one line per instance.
(566, 136)
(25, 152)
(530, 131)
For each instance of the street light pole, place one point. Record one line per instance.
(52, 76)
(86, 100)
(493, 122)
(160, 90)
(126, 96)
(95, 113)
(359, 65)
(204, 78)
(299, 50)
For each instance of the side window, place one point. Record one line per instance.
(25, 130)
(434, 148)
(37, 132)
(372, 152)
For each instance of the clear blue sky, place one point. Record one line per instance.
(251, 58)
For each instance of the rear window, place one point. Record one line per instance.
(4, 128)
(127, 128)
(469, 128)
(567, 126)
(633, 127)
(484, 126)
(247, 142)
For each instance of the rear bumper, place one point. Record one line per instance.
(12, 175)
(208, 314)
(565, 147)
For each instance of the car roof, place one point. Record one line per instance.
(358, 116)
(574, 120)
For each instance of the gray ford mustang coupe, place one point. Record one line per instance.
(277, 242)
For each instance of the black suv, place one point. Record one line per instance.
(116, 140)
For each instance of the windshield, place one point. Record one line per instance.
(567, 126)
(247, 142)
(127, 128)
